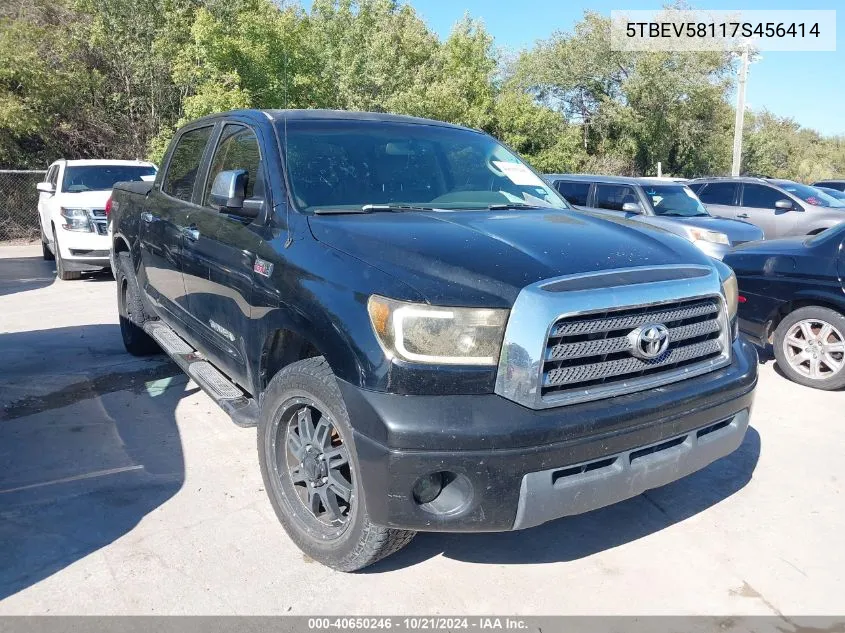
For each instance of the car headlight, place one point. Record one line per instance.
(76, 220)
(703, 235)
(421, 333)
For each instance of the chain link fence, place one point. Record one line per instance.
(19, 204)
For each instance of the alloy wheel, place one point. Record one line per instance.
(815, 349)
(318, 465)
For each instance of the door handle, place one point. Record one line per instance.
(192, 233)
(743, 216)
(147, 217)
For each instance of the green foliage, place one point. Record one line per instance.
(116, 77)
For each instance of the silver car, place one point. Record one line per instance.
(671, 206)
(782, 208)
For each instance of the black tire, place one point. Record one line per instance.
(61, 273)
(349, 541)
(809, 346)
(131, 310)
(45, 248)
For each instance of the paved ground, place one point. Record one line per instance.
(124, 491)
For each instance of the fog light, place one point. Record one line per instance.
(428, 488)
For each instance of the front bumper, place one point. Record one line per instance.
(84, 251)
(516, 467)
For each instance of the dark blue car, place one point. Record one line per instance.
(792, 295)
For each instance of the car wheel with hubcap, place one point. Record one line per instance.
(311, 470)
(61, 273)
(45, 248)
(810, 347)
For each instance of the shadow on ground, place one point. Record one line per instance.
(19, 274)
(576, 537)
(82, 464)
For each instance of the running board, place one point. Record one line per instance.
(242, 408)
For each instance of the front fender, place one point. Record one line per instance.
(320, 294)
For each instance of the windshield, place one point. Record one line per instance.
(102, 177)
(833, 193)
(833, 233)
(810, 195)
(355, 165)
(674, 200)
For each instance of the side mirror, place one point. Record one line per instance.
(228, 194)
(785, 205)
(632, 207)
(45, 187)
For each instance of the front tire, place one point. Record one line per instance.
(809, 346)
(311, 470)
(131, 310)
(45, 248)
(61, 273)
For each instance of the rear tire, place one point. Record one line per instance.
(311, 470)
(131, 310)
(61, 273)
(809, 346)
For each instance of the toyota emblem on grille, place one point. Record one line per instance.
(649, 341)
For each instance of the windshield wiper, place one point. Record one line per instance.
(369, 208)
(395, 207)
(515, 205)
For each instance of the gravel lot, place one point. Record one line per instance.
(124, 490)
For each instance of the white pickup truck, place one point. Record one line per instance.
(73, 211)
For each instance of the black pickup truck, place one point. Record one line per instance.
(425, 334)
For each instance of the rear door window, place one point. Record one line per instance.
(574, 192)
(612, 197)
(718, 193)
(185, 163)
(761, 196)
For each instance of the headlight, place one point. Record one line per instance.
(76, 220)
(731, 292)
(420, 333)
(704, 235)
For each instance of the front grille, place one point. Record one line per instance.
(594, 352)
(98, 213)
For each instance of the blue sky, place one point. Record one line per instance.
(807, 86)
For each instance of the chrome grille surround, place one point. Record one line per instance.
(541, 366)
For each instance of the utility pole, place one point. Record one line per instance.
(740, 113)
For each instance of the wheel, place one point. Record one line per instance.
(810, 347)
(45, 248)
(311, 470)
(131, 310)
(61, 273)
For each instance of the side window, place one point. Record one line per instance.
(53, 175)
(573, 192)
(718, 193)
(614, 196)
(237, 149)
(184, 163)
(760, 196)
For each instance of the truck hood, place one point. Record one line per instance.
(484, 258)
(737, 232)
(84, 199)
